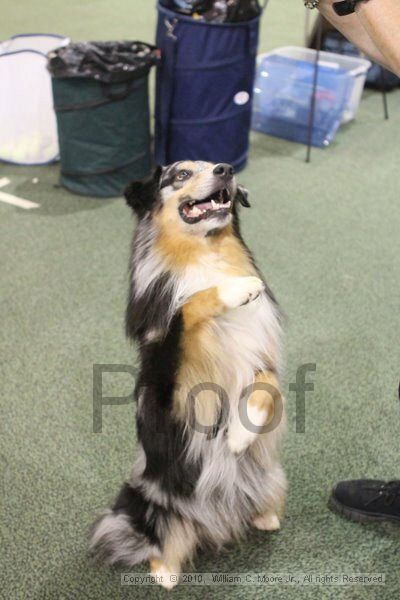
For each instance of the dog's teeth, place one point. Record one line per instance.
(228, 204)
(195, 212)
(214, 205)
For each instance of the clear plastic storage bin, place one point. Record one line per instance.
(283, 93)
(28, 130)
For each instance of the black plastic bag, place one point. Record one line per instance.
(217, 11)
(243, 10)
(188, 7)
(109, 62)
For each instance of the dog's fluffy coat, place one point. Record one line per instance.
(208, 330)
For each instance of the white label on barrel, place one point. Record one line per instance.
(241, 98)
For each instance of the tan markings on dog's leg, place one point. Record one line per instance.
(213, 302)
(201, 353)
(260, 412)
(264, 399)
(199, 367)
(179, 546)
(201, 307)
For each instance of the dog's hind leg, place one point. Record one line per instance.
(269, 521)
(275, 486)
(259, 407)
(178, 546)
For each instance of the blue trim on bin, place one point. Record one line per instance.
(23, 52)
(55, 35)
(22, 164)
(28, 35)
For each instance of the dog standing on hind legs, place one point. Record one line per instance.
(209, 411)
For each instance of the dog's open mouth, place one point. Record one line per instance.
(217, 204)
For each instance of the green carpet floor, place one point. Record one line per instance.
(327, 238)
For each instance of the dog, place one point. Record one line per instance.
(210, 414)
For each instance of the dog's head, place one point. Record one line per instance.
(197, 196)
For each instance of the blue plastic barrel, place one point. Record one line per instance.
(204, 89)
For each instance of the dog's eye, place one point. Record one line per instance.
(182, 175)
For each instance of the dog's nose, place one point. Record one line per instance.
(224, 171)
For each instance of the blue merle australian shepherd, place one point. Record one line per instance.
(209, 411)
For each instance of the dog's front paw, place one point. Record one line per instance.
(240, 290)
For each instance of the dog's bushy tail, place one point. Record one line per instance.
(127, 533)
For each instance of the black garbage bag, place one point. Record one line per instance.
(100, 92)
(216, 11)
(104, 61)
(243, 10)
(188, 7)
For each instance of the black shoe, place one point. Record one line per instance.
(366, 500)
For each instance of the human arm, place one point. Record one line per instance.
(374, 28)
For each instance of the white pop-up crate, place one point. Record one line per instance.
(28, 129)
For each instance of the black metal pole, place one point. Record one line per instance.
(384, 94)
(314, 91)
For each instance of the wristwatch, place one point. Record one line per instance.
(345, 7)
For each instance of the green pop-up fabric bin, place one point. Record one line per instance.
(101, 101)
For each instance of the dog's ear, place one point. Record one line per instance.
(142, 195)
(242, 195)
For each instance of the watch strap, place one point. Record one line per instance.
(345, 7)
